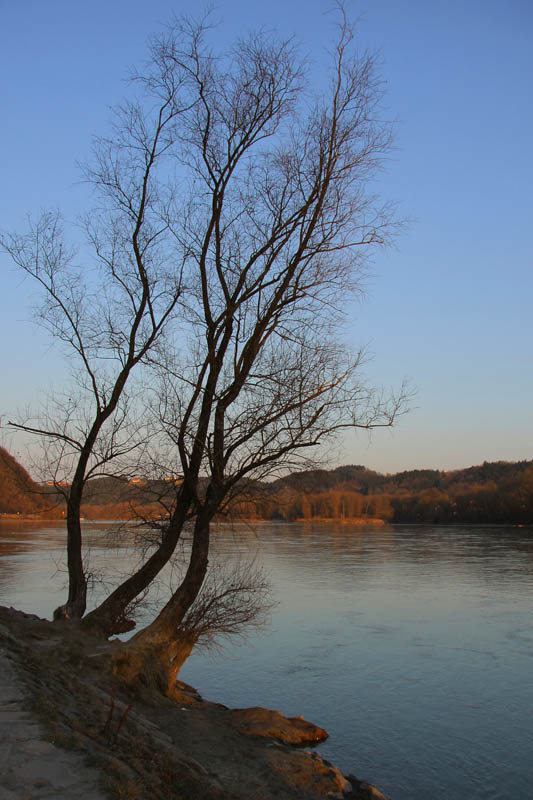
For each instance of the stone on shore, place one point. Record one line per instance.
(269, 724)
(363, 791)
(309, 774)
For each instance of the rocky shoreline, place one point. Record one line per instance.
(140, 744)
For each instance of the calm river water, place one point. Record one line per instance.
(412, 646)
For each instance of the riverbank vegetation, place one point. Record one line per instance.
(498, 492)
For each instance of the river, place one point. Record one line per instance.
(411, 645)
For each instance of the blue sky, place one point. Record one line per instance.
(450, 306)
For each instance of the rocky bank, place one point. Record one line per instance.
(83, 734)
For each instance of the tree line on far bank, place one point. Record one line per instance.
(493, 492)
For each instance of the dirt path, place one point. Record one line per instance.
(30, 767)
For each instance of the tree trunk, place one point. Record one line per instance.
(155, 655)
(110, 617)
(77, 592)
(163, 628)
(156, 667)
(77, 583)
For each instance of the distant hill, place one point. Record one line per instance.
(367, 481)
(492, 492)
(104, 498)
(18, 492)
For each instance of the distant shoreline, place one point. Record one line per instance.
(348, 520)
(490, 493)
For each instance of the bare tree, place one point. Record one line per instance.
(277, 224)
(264, 222)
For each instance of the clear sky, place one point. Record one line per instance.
(450, 307)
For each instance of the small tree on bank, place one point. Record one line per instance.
(250, 199)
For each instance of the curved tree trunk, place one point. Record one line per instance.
(77, 592)
(77, 589)
(155, 655)
(77, 580)
(164, 628)
(155, 667)
(110, 617)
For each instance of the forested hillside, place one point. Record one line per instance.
(493, 492)
(18, 493)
